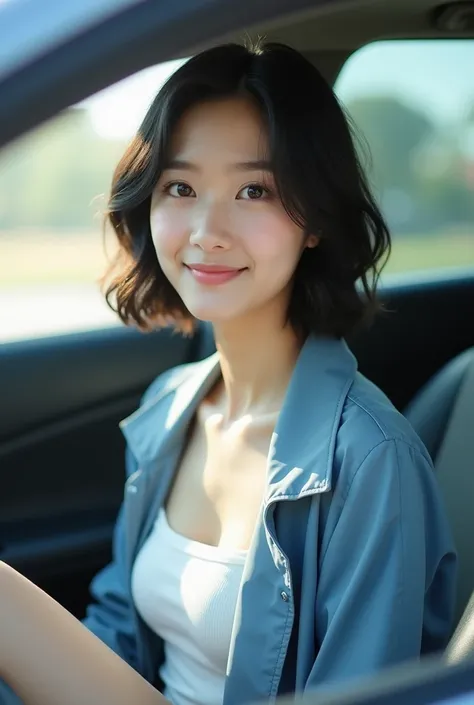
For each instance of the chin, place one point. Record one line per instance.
(212, 315)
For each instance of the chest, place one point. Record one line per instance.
(270, 607)
(219, 484)
(186, 592)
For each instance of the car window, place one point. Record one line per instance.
(53, 187)
(413, 104)
(412, 101)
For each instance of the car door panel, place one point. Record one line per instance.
(47, 379)
(61, 451)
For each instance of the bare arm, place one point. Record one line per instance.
(49, 658)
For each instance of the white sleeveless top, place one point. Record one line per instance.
(187, 592)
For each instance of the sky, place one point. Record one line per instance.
(435, 76)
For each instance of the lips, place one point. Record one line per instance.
(214, 273)
(212, 268)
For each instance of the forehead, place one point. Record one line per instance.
(227, 127)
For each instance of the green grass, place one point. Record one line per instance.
(48, 258)
(37, 258)
(424, 252)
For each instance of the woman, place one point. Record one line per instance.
(281, 529)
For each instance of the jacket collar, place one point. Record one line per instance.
(303, 443)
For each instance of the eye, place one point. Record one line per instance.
(179, 189)
(253, 192)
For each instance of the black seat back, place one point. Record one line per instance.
(443, 415)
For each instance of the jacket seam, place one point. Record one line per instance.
(337, 420)
(348, 490)
(284, 639)
(400, 528)
(391, 437)
(369, 413)
(322, 489)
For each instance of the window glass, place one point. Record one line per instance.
(413, 102)
(53, 187)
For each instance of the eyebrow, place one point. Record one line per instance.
(255, 165)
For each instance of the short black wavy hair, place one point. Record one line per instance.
(318, 175)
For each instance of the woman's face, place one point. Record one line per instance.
(221, 234)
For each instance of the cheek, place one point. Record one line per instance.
(274, 241)
(168, 232)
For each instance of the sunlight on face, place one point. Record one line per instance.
(221, 234)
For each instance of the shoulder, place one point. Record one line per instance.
(375, 439)
(164, 409)
(383, 476)
(368, 412)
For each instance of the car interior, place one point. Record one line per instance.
(63, 395)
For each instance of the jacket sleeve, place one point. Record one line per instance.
(387, 570)
(110, 616)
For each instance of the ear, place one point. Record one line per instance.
(312, 241)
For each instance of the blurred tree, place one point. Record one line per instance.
(418, 169)
(52, 176)
(394, 131)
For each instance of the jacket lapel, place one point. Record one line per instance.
(299, 466)
(156, 434)
(302, 449)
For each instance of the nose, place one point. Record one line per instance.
(210, 227)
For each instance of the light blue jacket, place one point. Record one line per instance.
(352, 566)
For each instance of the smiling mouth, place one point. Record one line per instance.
(213, 274)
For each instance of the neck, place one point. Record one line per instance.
(257, 358)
